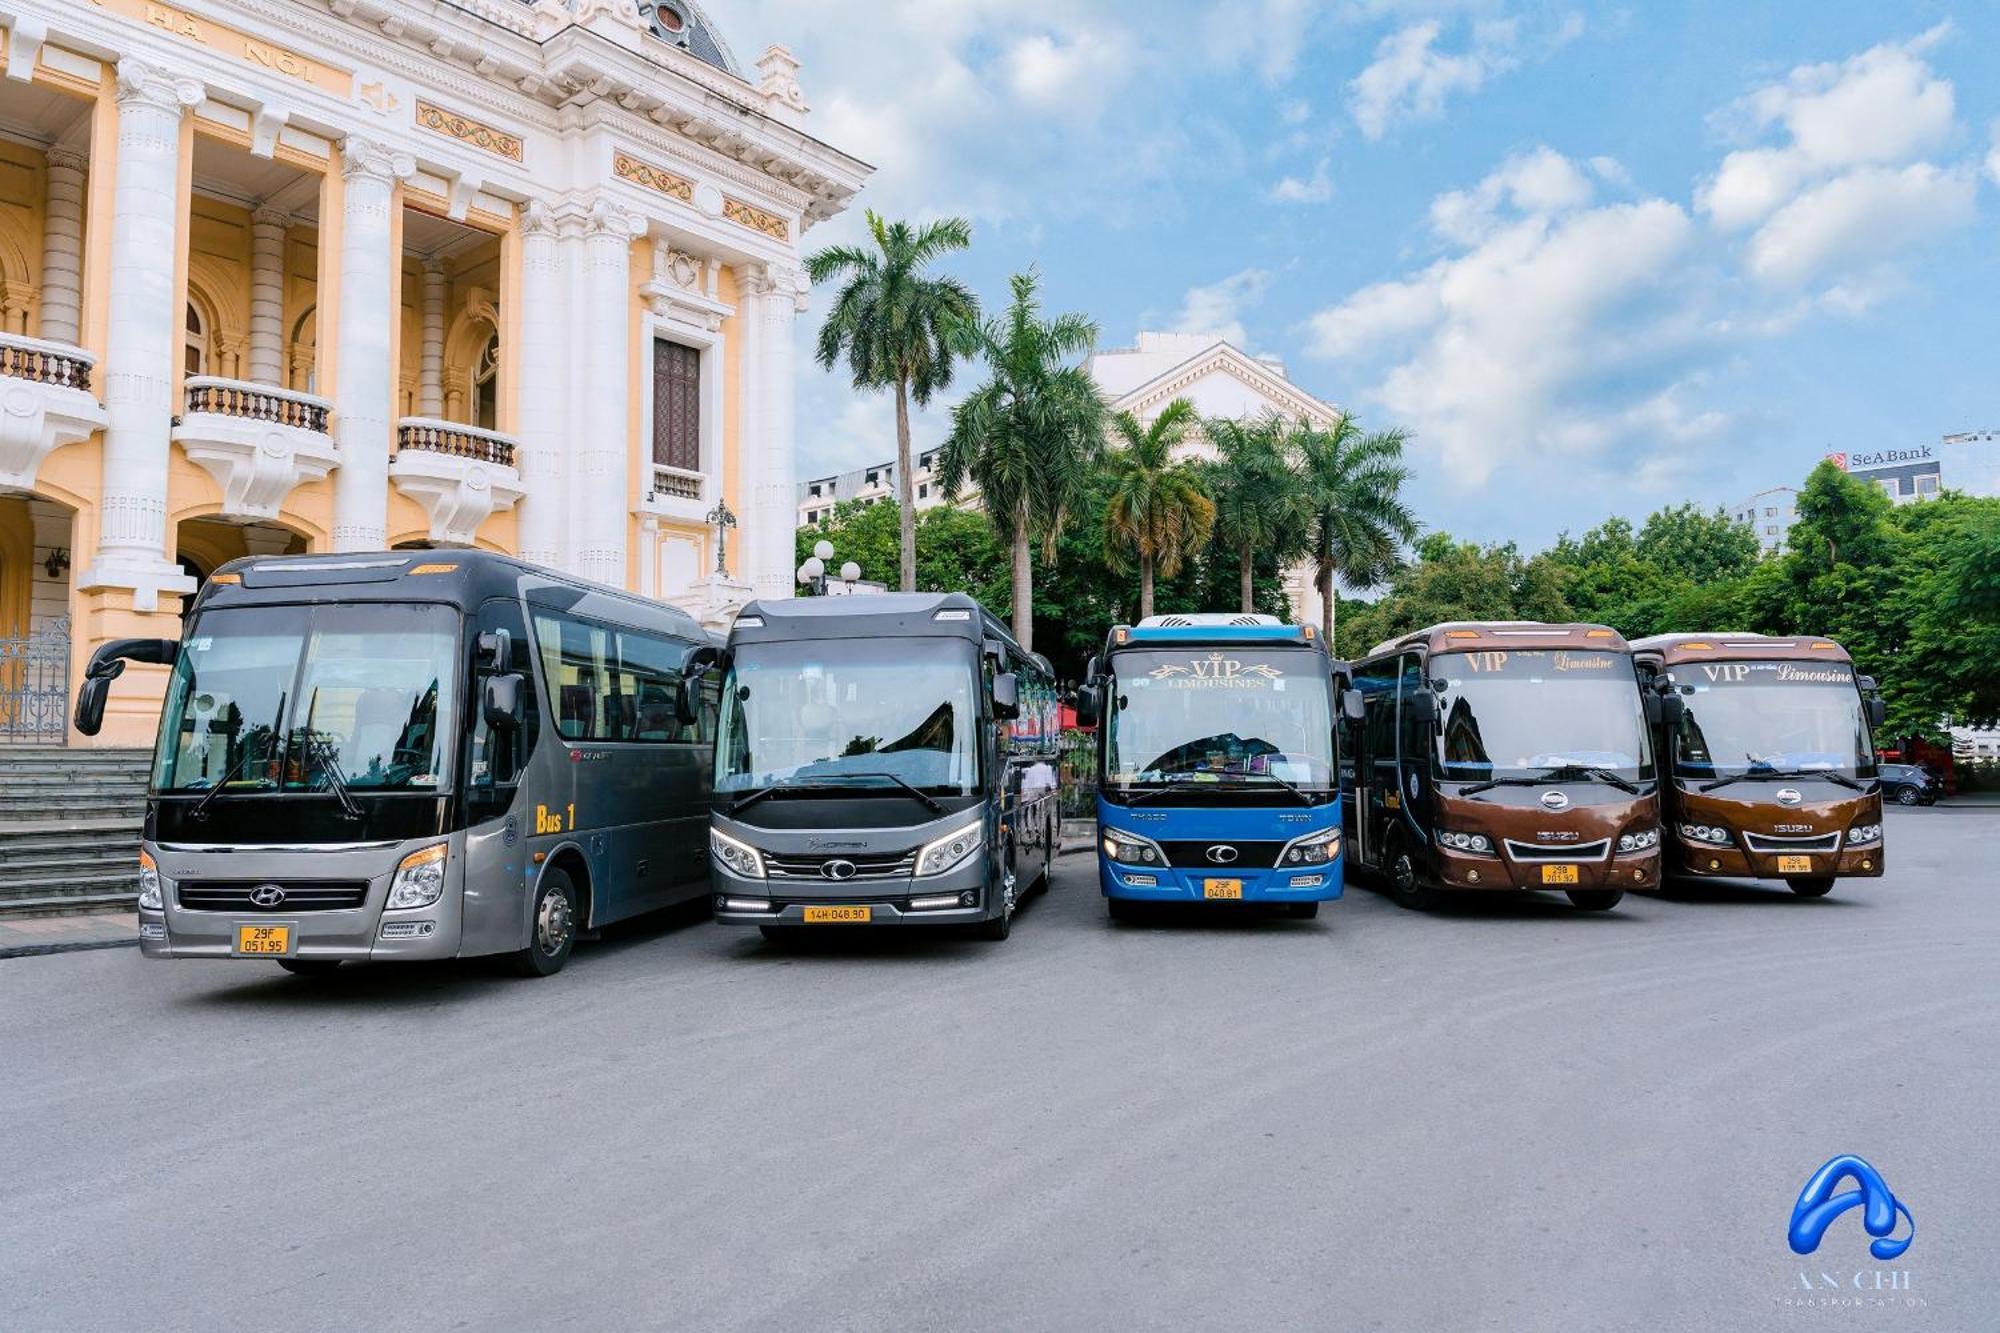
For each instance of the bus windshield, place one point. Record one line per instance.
(814, 713)
(1521, 714)
(1240, 716)
(295, 698)
(1746, 717)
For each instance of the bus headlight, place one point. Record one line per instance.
(950, 851)
(1314, 849)
(1477, 843)
(1131, 849)
(1863, 834)
(739, 857)
(1640, 841)
(1714, 833)
(149, 883)
(419, 879)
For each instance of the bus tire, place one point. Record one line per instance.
(1817, 886)
(999, 928)
(310, 967)
(1406, 881)
(1302, 911)
(1594, 900)
(551, 927)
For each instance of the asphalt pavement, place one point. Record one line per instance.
(1502, 1115)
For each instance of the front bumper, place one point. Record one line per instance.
(1734, 861)
(1627, 870)
(1174, 884)
(887, 900)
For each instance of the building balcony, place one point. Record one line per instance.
(258, 441)
(679, 494)
(459, 474)
(45, 403)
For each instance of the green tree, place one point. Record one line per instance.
(1356, 521)
(898, 328)
(955, 548)
(1258, 494)
(1457, 580)
(1030, 436)
(1158, 512)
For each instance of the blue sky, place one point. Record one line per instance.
(1597, 258)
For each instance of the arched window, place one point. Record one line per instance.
(486, 387)
(194, 355)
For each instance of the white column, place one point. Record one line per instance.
(541, 408)
(62, 249)
(430, 366)
(267, 296)
(143, 338)
(768, 527)
(364, 380)
(599, 451)
(752, 282)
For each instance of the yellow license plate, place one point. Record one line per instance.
(264, 939)
(846, 916)
(1222, 888)
(1795, 865)
(1559, 874)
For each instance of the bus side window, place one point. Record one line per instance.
(650, 672)
(1413, 737)
(491, 771)
(1378, 725)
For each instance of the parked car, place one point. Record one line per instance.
(1908, 784)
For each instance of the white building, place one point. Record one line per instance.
(867, 486)
(1769, 514)
(338, 275)
(1221, 380)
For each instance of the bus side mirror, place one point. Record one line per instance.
(504, 706)
(1651, 704)
(1878, 710)
(1352, 706)
(1672, 709)
(497, 647)
(1424, 707)
(687, 700)
(1094, 670)
(1006, 696)
(1089, 703)
(106, 665)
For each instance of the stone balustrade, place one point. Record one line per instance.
(677, 483)
(56, 364)
(45, 403)
(431, 435)
(256, 402)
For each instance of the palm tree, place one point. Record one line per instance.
(1259, 494)
(1356, 520)
(1028, 437)
(897, 327)
(1159, 508)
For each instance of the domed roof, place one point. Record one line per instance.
(682, 23)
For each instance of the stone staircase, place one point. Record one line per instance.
(69, 829)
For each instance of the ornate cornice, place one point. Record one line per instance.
(363, 157)
(146, 85)
(480, 135)
(627, 167)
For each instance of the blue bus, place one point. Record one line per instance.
(1216, 777)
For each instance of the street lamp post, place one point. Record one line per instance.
(812, 574)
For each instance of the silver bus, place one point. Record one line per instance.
(416, 755)
(886, 759)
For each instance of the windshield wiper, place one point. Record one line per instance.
(1294, 790)
(200, 810)
(821, 779)
(1560, 773)
(328, 763)
(1767, 771)
(1176, 781)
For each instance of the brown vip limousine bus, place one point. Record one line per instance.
(1769, 767)
(1503, 755)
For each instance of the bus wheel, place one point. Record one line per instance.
(1816, 887)
(1406, 886)
(1594, 900)
(551, 927)
(310, 967)
(1303, 911)
(999, 928)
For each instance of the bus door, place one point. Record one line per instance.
(1413, 749)
(496, 776)
(1374, 758)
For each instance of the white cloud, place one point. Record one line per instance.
(1993, 156)
(1218, 307)
(1496, 354)
(1411, 79)
(1859, 216)
(1314, 189)
(1072, 75)
(1297, 111)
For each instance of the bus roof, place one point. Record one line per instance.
(1462, 635)
(462, 578)
(1674, 649)
(875, 615)
(1204, 627)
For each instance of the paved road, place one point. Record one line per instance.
(1509, 1116)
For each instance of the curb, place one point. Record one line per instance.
(64, 946)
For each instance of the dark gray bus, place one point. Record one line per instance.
(413, 755)
(885, 759)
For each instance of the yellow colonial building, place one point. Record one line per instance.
(341, 275)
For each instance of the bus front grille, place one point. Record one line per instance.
(875, 865)
(1222, 853)
(1559, 851)
(242, 895)
(1778, 842)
